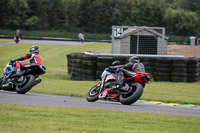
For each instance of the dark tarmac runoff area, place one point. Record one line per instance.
(46, 42)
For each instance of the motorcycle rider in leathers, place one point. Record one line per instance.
(134, 65)
(130, 68)
(33, 57)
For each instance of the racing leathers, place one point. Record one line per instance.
(133, 67)
(130, 68)
(34, 58)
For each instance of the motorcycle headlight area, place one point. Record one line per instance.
(148, 77)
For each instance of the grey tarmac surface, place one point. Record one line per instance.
(35, 99)
(46, 42)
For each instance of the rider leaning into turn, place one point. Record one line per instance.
(33, 57)
(128, 69)
(133, 65)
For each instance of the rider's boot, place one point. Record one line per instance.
(113, 88)
(111, 91)
(18, 73)
(124, 88)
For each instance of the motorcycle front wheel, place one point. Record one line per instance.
(17, 40)
(25, 87)
(93, 94)
(133, 96)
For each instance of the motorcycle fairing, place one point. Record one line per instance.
(138, 77)
(10, 68)
(105, 93)
(110, 77)
(107, 75)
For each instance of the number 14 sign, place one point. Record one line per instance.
(118, 32)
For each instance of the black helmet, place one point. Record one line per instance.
(115, 63)
(134, 59)
(34, 49)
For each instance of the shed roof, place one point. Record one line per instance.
(134, 30)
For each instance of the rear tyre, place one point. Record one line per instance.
(132, 96)
(93, 94)
(29, 83)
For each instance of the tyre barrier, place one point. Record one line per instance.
(199, 69)
(192, 69)
(162, 69)
(102, 63)
(75, 65)
(149, 64)
(178, 70)
(88, 67)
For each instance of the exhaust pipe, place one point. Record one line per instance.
(6, 86)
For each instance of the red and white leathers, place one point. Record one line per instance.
(34, 58)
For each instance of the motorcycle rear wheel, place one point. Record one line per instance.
(30, 82)
(93, 94)
(133, 96)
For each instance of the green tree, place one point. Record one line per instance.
(72, 15)
(123, 11)
(16, 13)
(149, 13)
(101, 16)
(182, 22)
(3, 12)
(85, 11)
(191, 5)
(55, 14)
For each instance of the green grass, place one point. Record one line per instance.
(56, 79)
(6, 40)
(23, 119)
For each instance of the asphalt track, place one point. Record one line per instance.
(46, 42)
(35, 99)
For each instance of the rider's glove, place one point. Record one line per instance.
(12, 61)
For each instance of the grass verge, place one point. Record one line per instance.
(18, 118)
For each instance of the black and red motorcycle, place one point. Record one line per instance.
(115, 86)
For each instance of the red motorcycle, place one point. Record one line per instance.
(115, 86)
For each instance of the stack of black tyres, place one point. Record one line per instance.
(102, 63)
(69, 63)
(199, 68)
(179, 70)
(149, 65)
(75, 66)
(123, 59)
(192, 69)
(163, 69)
(89, 67)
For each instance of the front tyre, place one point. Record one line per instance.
(133, 96)
(25, 87)
(93, 94)
(17, 40)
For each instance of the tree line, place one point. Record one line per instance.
(179, 17)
